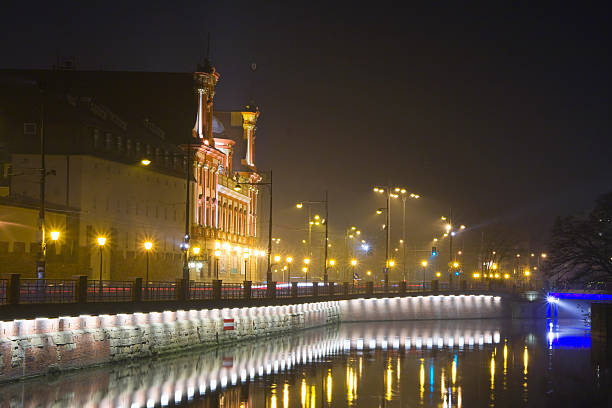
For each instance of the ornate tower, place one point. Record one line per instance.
(249, 121)
(205, 80)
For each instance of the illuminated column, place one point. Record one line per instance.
(193, 212)
(205, 195)
(254, 207)
(204, 84)
(215, 184)
(249, 120)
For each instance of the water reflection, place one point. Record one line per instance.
(442, 363)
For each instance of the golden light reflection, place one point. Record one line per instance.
(360, 366)
(454, 372)
(388, 381)
(304, 391)
(398, 370)
(422, 379)
(442, 385)
(273, 401)
(492, 371)
(313, 397)
(505, 358)
(329, 387)
(351, 384)
(525, 360)
(286, 396)
(459, 397)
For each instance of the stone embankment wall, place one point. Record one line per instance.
(39, 346)
(34, 347)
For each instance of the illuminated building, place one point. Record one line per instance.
(116, 145)
(223, 204)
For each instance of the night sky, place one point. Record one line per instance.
(501, 113)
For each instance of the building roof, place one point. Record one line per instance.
(158, 108)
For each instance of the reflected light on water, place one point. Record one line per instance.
(351, 384)
(313, 397)
(286, 396)
(209, 378)
(505, 357)
(329, 386)
(454, 370)
(388, 381)
(492, 371)
(422, 380)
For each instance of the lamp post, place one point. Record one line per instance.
(405, 196)
(450, 233)
(238, 187)
(350, 234)
(305, 269)
(353, 264)
(246, 262)
(217, 255)
(289, 262)
(387, 210)
(424, 264)
(101, 242)
(326, 222)
(148, 245)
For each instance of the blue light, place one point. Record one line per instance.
(581, 296)
(365, 247)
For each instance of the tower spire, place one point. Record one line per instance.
(205, 80)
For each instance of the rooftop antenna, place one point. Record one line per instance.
(206, 66)
(253, 68)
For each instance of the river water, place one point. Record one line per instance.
(465, 363)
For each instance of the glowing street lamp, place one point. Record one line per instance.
(148, 245)
(145, 162)
(424, 263)
(277, 258)
(101, 242)
(55, 235)
(353, 264)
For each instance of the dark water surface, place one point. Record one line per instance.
(467, 363)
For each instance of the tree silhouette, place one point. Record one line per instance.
(581, 248)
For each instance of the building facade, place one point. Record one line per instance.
(224, 199)
(95, 170)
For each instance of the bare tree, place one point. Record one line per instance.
(581, 248)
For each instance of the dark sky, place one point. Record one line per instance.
(500, 112)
